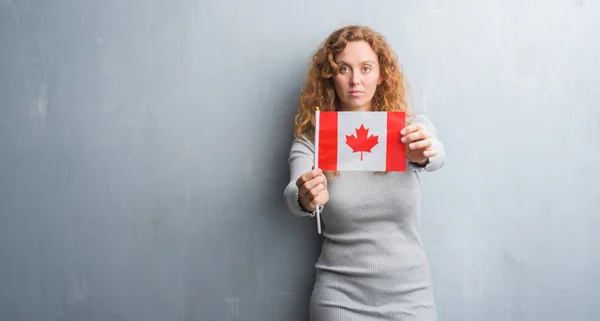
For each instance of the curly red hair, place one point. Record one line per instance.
(319, 90)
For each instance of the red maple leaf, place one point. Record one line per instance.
(361, 143)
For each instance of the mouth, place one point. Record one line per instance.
(355, 92)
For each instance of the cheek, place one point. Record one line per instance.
(338, 80)
(339, 83)
(373, 80)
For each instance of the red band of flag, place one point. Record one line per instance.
(396, 150)
(328, 141)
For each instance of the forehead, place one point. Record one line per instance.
(357, 52)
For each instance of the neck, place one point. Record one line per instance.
(365, 107)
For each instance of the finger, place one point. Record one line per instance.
(312, 174)
(315, 191)
(429, 152)
(415, 136)
(324, 180)
(422, 144)
(306, 187)
(308, 176)
(411, 128)
(321, 199)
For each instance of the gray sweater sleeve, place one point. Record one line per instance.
(436, 162)
(301, 160)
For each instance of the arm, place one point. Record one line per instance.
(436, 162)
(301, 160)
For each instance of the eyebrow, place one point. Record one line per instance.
(364, 62)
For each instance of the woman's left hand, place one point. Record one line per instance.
(418, 143)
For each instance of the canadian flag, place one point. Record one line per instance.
(360, 141)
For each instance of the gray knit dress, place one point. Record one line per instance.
(373, 265)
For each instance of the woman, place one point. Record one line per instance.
(372, 265)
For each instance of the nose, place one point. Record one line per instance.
(355, 79)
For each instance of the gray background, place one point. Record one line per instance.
(143, 150)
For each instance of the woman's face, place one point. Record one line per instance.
(358, 76)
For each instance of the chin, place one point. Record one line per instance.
(355, 104)
(358, 105)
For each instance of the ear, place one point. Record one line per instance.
(379, 81)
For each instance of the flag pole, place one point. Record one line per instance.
(317, 121)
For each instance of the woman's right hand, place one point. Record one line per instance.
(312, 190)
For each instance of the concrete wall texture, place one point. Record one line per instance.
(143, 150)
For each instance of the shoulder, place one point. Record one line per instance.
(303, 142)
(417, 118)
(421, 118)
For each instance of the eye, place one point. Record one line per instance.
(344, 69)
(366, 68)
